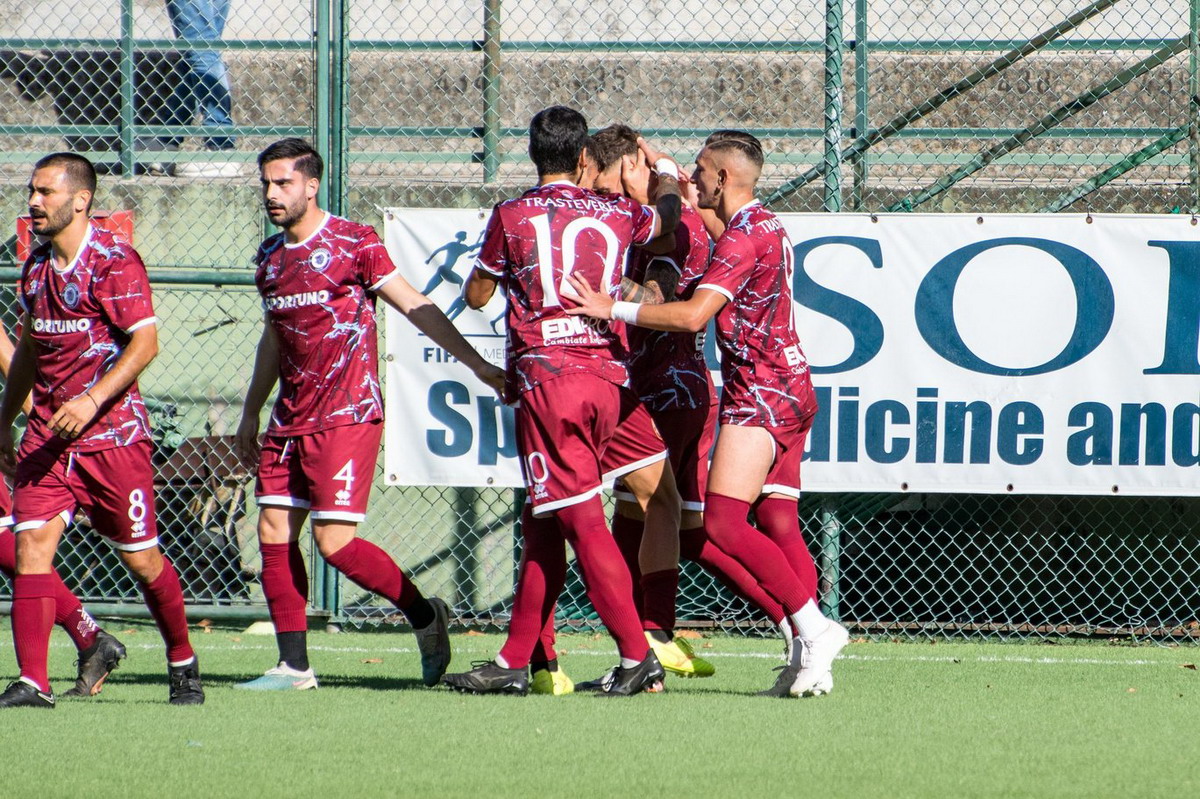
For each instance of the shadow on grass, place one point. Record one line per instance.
(228, 680)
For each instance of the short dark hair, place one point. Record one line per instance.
(736, 140)
(308, 160)
(608, 145)
(81, 175)
(557, 136)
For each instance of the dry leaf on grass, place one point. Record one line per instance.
(690, 634)
(473, 632)
(1189, 666)
(1131, 690)
(205, 623)
(372, 660)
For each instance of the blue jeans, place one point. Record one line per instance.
(205, 86)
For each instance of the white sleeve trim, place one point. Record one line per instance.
(376, 285)
(656, 223)
(149, 320)
(667, 259)
(480, 266)
(719, 289)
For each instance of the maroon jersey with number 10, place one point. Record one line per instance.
(82, 318)
(765, 373)
(532, 243)
(319, 299)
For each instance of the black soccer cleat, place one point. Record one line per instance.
(601, 683)
(489, 678)
(782, 688)
(185, 686)
(22, 694)
(96, 663)
(645, 677)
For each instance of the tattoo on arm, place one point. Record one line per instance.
(648, 294)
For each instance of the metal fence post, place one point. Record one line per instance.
(834, 45)
(861, 98)
(321, 106)
(128, 94)
(1194, 106)
(829, 561)
(491, 90)
(339, 80)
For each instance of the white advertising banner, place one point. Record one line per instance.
(1033, 354)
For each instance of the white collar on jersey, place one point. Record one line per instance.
(83, 245)
(745, 207)
(312, 235)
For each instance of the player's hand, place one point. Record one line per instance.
(590, 302)
(8, 455)
(74, 415)
(636, 176)
(245, 442)
(691, 195)
(493, 376)
(653, 155)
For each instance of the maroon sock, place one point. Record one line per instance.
(609, 586)
(779, 519)
(628, 535)
(695, 546)
(164, 597)
(285, 586)
(8, 553)
(32, 621)
(68, 610)
(540, 579)
(70, 614)
(726, 526)
(658, 593)
(371, 568)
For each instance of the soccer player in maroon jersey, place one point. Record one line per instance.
(319, 279)
(99, 651)
(87, 331)
(671, 377)
(767, 402)
(571, 382)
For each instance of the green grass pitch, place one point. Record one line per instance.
(905, 720)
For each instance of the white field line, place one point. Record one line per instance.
(611, 653)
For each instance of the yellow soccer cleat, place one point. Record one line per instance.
(677, 657)
(551, 683)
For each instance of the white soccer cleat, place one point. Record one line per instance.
(816, 660)
(823, 686)
(281, 678)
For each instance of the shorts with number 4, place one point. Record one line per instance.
(328, 473)
(114, 487)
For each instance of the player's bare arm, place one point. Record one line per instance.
(685, 316)
(647, 293)
(75, 414)
(17, 385)
(668, 200)
(479, 289)
(7, 348)
(262, 380)
(430, 320)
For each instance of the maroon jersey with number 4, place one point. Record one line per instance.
(532, 243)
(668, 370)
(318, 295)
(81, 319)
(765, 373)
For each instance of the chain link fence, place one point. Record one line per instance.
(873, 105)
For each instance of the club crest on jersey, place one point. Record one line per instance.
(320, 259)
(70, 295)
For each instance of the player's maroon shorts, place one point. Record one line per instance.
(577, 432)
(689, 436)
(114, 487)
(328, 473)
(6, 519)
(784, 477)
